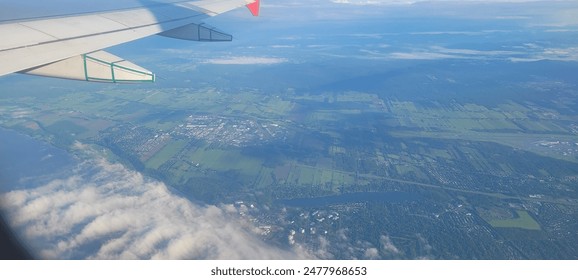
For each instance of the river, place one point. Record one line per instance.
(26, 162)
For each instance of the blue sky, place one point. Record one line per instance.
(360, 29)
(554, 12)
(551, 12)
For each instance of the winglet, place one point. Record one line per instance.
(254, 7)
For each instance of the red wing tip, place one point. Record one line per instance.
(254, 7)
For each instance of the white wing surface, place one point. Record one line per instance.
(69, 46)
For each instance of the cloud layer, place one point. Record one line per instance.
(246, 60)
(523, 53)
(105, 211)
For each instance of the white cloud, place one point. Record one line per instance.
(283, 46)
(371, 253)
(472, 52)
(387, 246)
(525, 53)
(557, 54)
(246, 60)
(105, 211)
(423, 55)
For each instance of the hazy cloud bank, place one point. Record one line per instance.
(105, 211)
(525, 53)
(246, 60)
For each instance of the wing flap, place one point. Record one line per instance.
(99, 66)
(197, 32)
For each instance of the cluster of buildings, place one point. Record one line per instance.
(229, 131)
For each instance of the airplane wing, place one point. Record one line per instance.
(70, 46)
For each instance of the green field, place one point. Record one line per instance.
(166, 153)
(223, 160)
(523, 221)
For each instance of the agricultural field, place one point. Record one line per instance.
(522, 221)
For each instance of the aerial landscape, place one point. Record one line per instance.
(347, 130)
